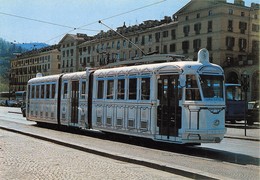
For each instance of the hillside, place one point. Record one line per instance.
(8, 51)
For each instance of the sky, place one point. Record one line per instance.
(47, 21)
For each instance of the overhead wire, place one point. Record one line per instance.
(80, 27)
(41, 21)
(113, 16)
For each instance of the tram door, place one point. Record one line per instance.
(168, 112)
(74, 101)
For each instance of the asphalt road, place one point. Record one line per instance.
(232, 158)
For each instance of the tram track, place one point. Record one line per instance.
(175, 169)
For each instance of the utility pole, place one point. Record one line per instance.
(245, 87)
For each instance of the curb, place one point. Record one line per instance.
(242, 138)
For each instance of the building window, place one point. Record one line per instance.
(242, 45)
(187, 18)
(255, 27)
(118, 44)
(230, 11)
(242, 14)
(143, 40)
(196, 45)
(165, 49)
(210, 13)
(172, 47)
(157, 37)
(198, 15)
(150, 38)
(209, 26)
(230, 25)
(165, 34)
(173, 34)
(197, 28)
(157, 49)
(230, 41)
(209, 43)
(185, 47)
(136, 40)
(186, 30)
(242, 27)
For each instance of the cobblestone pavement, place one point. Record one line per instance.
(26, 158)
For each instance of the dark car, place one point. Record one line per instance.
(23, 109)
(253, 112)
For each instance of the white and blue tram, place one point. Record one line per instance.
(179, 102)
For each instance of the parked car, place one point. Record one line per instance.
(253, 112)
(23, 109)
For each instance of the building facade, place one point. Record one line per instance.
(27, 65)
(70, 53)
(230, 31)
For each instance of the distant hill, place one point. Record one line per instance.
(31, 46)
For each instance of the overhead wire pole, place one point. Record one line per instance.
(123, 37)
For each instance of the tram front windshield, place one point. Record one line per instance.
(212, 87)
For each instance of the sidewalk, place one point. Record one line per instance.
(252, 134)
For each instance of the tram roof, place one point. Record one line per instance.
(175, 67)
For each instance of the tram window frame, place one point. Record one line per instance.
(192, 92)
(121, 89)
(110, 89)
(47, 91)
(65, 90)
(33, 92)
(132, 86)
(83, 89)
(37, 91)
(100, 89)
(42, 91)
(53, 91)
(145, 88)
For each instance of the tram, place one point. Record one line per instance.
(173, 101)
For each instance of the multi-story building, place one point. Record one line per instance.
(26, 65)
(230, 31)
(70, 53)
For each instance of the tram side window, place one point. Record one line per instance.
(53, 89)
(192, 90)
(100, 89)
(110, 89)
(65, 90)
(38, 91)
(47, 91)
(121, 89)
(132, 89)
(145, 88)
(33, 92)
(83, 89)
(42, 91)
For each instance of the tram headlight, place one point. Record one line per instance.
(216, 122)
